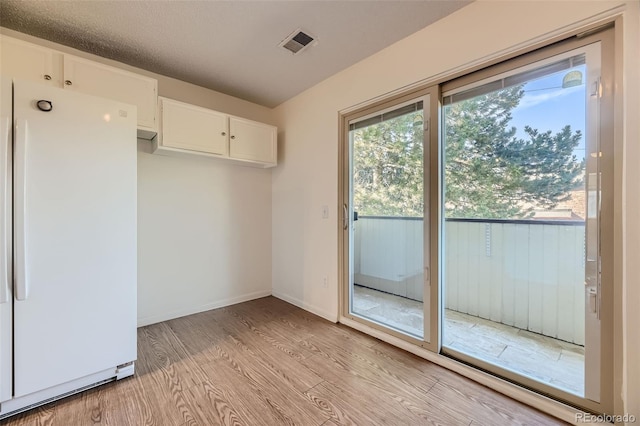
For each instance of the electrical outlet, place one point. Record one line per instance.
(324, 282)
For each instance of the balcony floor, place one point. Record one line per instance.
(545, 359)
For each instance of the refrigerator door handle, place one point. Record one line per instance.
(20, 197)
(5, 250)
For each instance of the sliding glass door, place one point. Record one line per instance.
(478, 219)
(385, 214)
(522, 196)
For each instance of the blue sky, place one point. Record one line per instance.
(547, 106)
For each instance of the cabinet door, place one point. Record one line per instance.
(192, 128)
(28, 61)
(112, 83)
(252, 141)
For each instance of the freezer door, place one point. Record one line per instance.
(74, 235)
(6, 348)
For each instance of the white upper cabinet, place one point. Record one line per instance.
(182, 129)
(191, 130)
(112, 83)
(188, 127)
(30, 62)
(252, 141)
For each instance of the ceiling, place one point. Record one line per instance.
(228, 46)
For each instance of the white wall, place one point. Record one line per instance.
(204, 235)
(305, 246)
(630, 105)
(204, 227)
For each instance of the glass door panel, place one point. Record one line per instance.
(521, 198)
(386, 218)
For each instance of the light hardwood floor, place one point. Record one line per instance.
(266, 362)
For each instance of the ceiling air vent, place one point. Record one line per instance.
(297, 41)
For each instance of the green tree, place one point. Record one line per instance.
(387, 167)
(491, 173)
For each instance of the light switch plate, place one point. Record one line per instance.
(325, 212)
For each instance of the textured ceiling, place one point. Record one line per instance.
(228, 46)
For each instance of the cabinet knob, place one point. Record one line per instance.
(68, 82)
(47, 77)
(233, 137)
(224, 133)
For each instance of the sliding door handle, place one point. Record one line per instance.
(345, 216)
(592, 294)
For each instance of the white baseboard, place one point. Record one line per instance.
(330, 316)
(165, 316)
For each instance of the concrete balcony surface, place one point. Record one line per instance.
(542, 358)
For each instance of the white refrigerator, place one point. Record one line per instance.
(67, 243)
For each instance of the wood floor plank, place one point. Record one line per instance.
(266, 362)
(160, 349)
(211, 405)
(132, 402)
(165, 396)
(256, 337)
(254, 405)
(415, 404)
(393, 354)
(199, 334)
(167, 369)
(294, 325)
(289, 372)
(489, 407)
(349, 406)
(241, 341)
(482, 398)
(361, 362)
(272, 388)
(261, 331)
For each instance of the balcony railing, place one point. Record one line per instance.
(527, 274)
